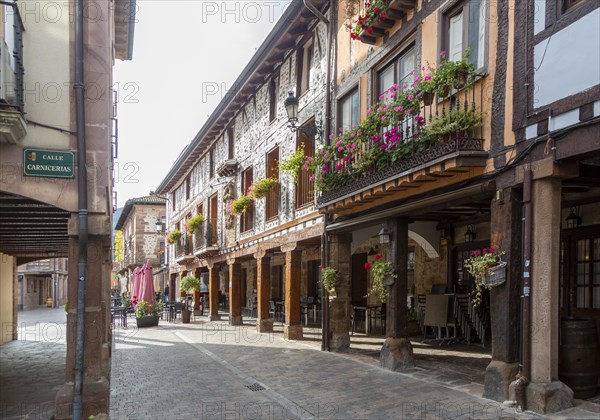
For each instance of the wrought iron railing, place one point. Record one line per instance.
(442, 127)
(182, 246)
(206, 235)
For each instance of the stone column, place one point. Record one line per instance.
(97, 321)
(213, 291)
(545, 392)
(235, 288)
(264, 323)
(292, 329)
(340, 258)
(397, 353)
(505, 299)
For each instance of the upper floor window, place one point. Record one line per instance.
(400, 71)
(272, 199)
(350, 110)
(304, 62)
(568, 5)
(305, 186)
(188, 186)
(273, 94)
(211, 163)
(247, 219)
(230, 142)
(464, 28)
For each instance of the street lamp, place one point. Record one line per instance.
(291, 108)
(573, 220)
(160, 226)
(384, 235)
(469, 234)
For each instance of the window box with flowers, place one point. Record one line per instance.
(487, 269)
(382, 277)
(377, 16)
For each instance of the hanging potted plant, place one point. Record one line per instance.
(487, 269)
(195, 222)
(188, 283)
(261, 187)
(329, 277)
(240, 206)
(382, 276)
(293, 164)
(174, 236)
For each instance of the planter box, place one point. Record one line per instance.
(186, 316)
(147, 321)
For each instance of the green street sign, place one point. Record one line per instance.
(48, 163)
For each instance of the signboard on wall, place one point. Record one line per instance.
(48, 163)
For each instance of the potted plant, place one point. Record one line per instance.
(453, 74)
(210, 233)
(382, 276)
(195, 222)
(188, 283)
(261, 187)
(147, 314)
(174, 236)
(455, 121)
(329, 277)
(240, 206)
(480, 265)
(293, 164)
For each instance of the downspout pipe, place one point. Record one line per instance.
(525, 351)
(327, 128)
(82, 263)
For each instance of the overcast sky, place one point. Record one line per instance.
(187, 54)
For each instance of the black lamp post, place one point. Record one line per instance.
(160, 225)
(291, 108)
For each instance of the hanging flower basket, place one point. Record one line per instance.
(496, 275)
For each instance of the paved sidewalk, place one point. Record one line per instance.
(210, 370)
(32, 368)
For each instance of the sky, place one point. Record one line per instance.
(186, 55)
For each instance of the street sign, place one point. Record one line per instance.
(48, 163)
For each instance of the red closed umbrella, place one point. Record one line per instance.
(146, 283)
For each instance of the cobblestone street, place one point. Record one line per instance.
(210, 370)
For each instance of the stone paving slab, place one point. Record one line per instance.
(203, 370)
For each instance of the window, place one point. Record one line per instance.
(350, 110)
(212, 221)
(247, 219)
(273, 196)
(400, 70)
(304, 62)
(464, 27)
(273, 94)
(568, 5)
(305, 187)
(188, 184)
(211, 163)
(230, 143)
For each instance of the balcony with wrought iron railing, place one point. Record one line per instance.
(183, 249)
(402, 148)
(205, 239)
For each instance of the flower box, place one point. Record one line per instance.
(147, 321)
(496, 275)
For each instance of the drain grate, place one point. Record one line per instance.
(255, 387)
